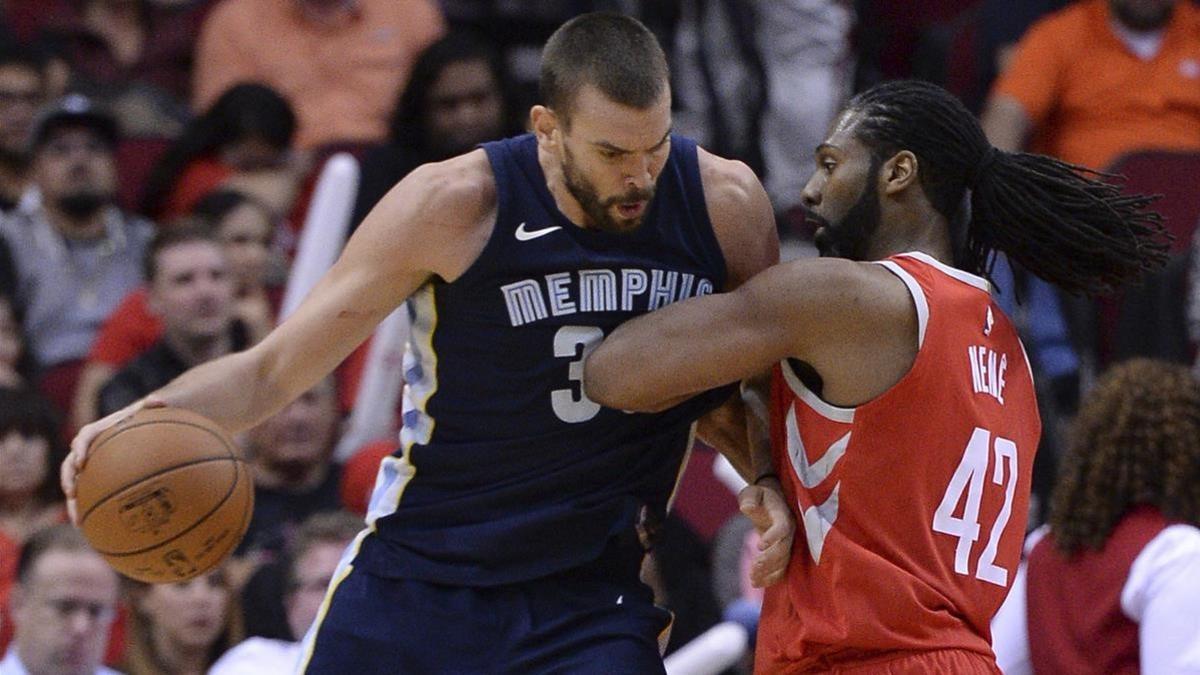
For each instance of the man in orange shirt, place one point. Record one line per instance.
(1102, 78)
(340, 63)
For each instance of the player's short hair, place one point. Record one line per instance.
(612, 52)
(183, 232)
(47, 540)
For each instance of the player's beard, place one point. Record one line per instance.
(596, 209)
(850, 237)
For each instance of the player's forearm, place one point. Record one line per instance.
(738, 431)
(235, 391)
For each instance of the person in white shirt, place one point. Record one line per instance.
(1113, 583)
(63, 605)
(311, 560)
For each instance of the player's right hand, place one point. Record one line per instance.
(81, 444)
(766, 507)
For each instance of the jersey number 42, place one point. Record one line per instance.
(969, 478)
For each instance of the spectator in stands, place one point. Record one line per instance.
(181, 628)
(340, 63)
(64, 602)
(282, 598)
(1124, 533)
(190, 289)
(243, 225)
(294, 475)
(243, 141)
(16, 361)
(456, 98)
(1101, 78)
(30, 448)
(134, 55)
(22, 93)
(77, 254)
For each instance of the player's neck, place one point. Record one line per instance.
(906, 231)
(557, 184)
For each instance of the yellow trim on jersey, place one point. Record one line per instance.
(343, 570)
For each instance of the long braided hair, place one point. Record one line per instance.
(1136, 441)
(1062, 222)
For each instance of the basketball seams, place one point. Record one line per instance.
(199, 521)
(142, 479)
(228, 445)
(230, 453)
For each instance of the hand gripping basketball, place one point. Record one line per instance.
(164, 494)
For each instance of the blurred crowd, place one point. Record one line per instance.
(158, 159)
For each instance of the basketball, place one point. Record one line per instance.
(165, 495)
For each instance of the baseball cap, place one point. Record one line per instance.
(73, 110)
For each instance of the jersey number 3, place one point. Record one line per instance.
(969, 478)
(575, 342)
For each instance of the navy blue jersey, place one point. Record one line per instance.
(506, 471)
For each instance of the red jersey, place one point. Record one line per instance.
(911, 508)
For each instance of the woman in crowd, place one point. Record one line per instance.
(245, 226)
(181, 628)
(243, 142)
(30, 450)
(455, 99)
(1112, 585)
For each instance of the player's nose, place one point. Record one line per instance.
(811, 194)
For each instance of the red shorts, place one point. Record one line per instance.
(942, 661)
(933, 662)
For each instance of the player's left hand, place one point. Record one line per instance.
(767, 509)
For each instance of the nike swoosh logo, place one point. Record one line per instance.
(526, 235)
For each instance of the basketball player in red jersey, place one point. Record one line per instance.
(904, 421)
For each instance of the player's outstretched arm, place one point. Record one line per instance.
(854, 322)
(433, 223)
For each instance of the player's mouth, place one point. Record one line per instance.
(630, 210)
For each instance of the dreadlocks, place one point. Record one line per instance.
(1058, 220)
(1136, 441)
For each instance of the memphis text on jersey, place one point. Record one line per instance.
(599, 290)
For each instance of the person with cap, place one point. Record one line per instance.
(75, 254)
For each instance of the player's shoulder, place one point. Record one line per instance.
(457, 190)
(727, 179)
(868, 290)
(741, 215)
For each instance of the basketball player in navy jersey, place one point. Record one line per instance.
(507, 531)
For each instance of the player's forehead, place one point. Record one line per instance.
(597, 119)
(842, 138)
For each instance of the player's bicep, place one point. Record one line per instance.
(691, 346)
(416, 231)
(820, 311)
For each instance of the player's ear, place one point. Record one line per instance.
(544, 123)
(899, 172)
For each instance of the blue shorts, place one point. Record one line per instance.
(572, 622)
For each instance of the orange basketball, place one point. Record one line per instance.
(165, 495)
